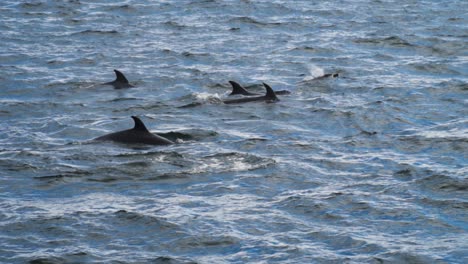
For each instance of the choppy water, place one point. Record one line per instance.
(369, 167)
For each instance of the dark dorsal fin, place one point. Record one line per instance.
(270, 94)
(120, 77)
(238, 89)
(139, 124)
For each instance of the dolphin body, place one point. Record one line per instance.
(239, 89)
(139, 134)
(327, 75)
(120, 81)
(269, 97)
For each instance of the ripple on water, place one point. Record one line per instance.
(367, 167)
(444, 184)
(146, 165)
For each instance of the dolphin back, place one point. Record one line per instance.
(238, 89)
(139, 134)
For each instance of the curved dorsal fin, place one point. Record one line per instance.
(238, 89)
(270, 94)
(120, 77)
(139, 124)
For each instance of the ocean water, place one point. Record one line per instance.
(368, 167)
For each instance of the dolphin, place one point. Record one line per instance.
(239, 89)
(270, 97)
(120, 81)
(327, 75)
(139, 134)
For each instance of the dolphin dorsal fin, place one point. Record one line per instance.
(120, 77)
(238, 89)
(270, 94)
(139, 124)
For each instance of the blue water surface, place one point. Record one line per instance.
(366, 167)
